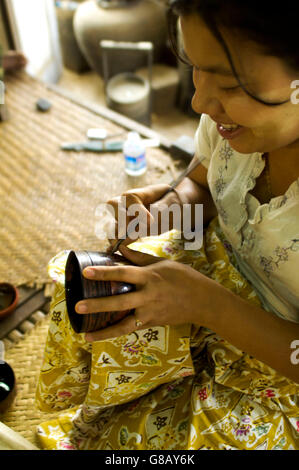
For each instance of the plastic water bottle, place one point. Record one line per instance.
(134, 153)
(67, 5)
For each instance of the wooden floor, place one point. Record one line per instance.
(32, 307)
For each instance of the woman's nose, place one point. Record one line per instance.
(204, 100)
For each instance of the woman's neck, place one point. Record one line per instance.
(283, 168)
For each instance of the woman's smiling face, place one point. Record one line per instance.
(218, 94)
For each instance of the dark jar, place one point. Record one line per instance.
(77, 288)
(7, 386)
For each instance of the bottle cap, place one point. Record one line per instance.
(134, 136)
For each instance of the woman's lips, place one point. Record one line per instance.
(230, 132)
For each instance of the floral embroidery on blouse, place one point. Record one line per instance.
(282, 202)
(222, 213)
(251, 181)
(281, 255)
(248, 244)
(219, 185)
(226, 152)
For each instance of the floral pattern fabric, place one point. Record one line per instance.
(163, 387)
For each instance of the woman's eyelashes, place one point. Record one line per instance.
(233, 88)
(221, 87)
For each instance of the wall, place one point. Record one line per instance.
(35, 32)
(5, 38)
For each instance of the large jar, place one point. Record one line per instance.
(72, 56)
(120, 20)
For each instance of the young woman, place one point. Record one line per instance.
(223, 373)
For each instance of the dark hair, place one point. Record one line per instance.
(261, 21)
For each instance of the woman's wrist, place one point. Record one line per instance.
(192, 193)
(220, 302)
(160, 210)
(213, 304)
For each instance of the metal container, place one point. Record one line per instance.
(129, 95)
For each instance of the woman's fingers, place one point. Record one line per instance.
(131, 211)
(130, 274)
(125, 242)
(147, 195)
(139, 258)
(131, 224)
(122, 328)
(127, 206)
(113, 303)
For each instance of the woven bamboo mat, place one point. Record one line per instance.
(25, 358)
(48, 196)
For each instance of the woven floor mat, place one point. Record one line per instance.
(25, 358)
(48, 196)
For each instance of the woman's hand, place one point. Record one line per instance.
(141, 199)
(167, 293)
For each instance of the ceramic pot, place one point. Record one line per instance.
(73, 59)
(129, 21)
(77, 288)
(9, 297)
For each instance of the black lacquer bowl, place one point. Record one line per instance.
(7, 386)
(77, 288)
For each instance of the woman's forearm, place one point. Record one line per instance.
(190, 192)
(194, 193)
(255, 331)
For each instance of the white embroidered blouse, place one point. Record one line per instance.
(264, 238)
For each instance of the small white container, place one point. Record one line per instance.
(135, 155)
(97, 134)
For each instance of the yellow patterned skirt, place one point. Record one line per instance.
(163, 388)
